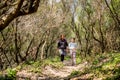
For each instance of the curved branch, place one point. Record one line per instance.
(18, 10)
(5, 20)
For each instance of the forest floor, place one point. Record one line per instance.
(52, 73)
(99, 67)
(65, 71)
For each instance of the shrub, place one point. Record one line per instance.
(74, 73)
(11, 73)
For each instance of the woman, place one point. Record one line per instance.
(62, 46)
(72, 48)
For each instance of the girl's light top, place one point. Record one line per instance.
(72, 45)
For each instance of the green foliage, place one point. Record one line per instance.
(18, 68)
(54, 62)
(78, 60)
(68, 57)
(116, 75)
(35, 66)
(108, 70)
(95, 62)
(115, 6)
(32, 66)
(11, 73)
(29, 62)
(105, 66)
(74, 73)
(35, 70)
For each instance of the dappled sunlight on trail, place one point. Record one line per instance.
(63, 72)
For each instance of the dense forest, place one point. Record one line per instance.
(30, 30)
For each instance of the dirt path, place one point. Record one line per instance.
(63, 72)
(49, 73)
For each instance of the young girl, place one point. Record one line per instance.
(72, 48)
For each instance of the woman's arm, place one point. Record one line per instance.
(58, 45)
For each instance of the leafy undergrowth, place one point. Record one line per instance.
(11, 74)
(102, 66)
(105, 67)
(35, 66)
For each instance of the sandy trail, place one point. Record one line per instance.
(49, 73)
(63, 72)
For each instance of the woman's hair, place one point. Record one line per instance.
(73, 39)
(62, 35)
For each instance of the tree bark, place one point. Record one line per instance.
(18, 10)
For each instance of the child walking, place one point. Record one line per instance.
(72, 48)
